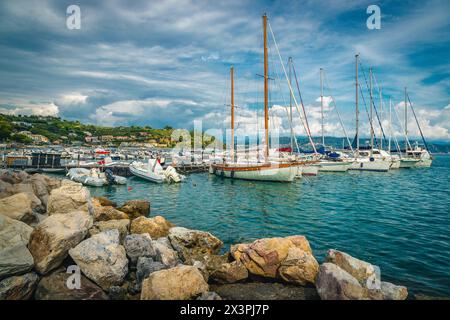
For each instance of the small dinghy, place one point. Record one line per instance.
(154, 172)
(94, 178)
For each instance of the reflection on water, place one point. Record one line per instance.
(398, 220)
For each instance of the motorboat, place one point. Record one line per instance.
(154, 172)
(94, 178)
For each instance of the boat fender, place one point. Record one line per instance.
(372, 159)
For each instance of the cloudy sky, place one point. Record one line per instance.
(167, 62)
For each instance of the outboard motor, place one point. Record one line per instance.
(109, 176)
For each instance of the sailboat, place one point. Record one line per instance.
(329, 165)
(368, 159)
(282, 170)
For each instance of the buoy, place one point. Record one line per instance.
(130, 188)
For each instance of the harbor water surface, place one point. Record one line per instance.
(398, 220)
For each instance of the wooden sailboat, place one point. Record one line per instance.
(280, 170)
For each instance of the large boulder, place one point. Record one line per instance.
(193, 245)
(334, 283)
(18, 287)
(299, 267)
(27, 188)
(13, 232)
(136, 208)
(139, 245)
(51, 240)
(122, 225)
(54, 287)
(156, 227)
(392, 292)
(178, 283)
(42, 186)
(17, 206)
(230, 272)
(165, 253)
(287, 258)
(362, 271)
(68, 198)
(15, 257)
(102, 259)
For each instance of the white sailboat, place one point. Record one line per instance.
(371, 159)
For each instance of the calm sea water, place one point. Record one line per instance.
(398, 220)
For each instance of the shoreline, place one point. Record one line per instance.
(149, 250)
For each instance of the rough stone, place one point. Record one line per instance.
(334, 283)
(136, 208)
(230, 272)
(193, 245)
(121, 225)
(54, 287)
(18, 287)
(299, 267)
(178, 283)
(102, 259)
(146, 266)
(156, 227)
(17, 207)
(139, 245)
(51, 240)
(68, 198)
(392, 292)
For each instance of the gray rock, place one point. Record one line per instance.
(116, 293)
(102, 259)
(334, 283)
(139, 245)
(15, 260)
(17, 206)
(392, 292)
(18, 287)
(209, 296)
(165, 253)
(146, 266)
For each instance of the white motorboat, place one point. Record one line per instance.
(94, 178)
(154, 172)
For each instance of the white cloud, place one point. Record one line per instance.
(45, 109)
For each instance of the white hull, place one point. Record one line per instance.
(408, 163)
(149, 176)
(424, 163)
(334, 166)
(311, 170)
(395, 164)
(364, 164)
(273, 174)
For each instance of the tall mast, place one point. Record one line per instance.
(290, 105)
(232, 113)
(321, 103)
(356, 104)
(266, 89)
(390, 123)
(371, 114)
(381, 117)
(406, 122)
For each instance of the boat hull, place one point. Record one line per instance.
(408, 163)
(423, 163)
(258, 173)
(332, 166)
(144, 175)
(311, 170)
(367, 165)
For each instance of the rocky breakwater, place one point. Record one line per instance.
(72, 246)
